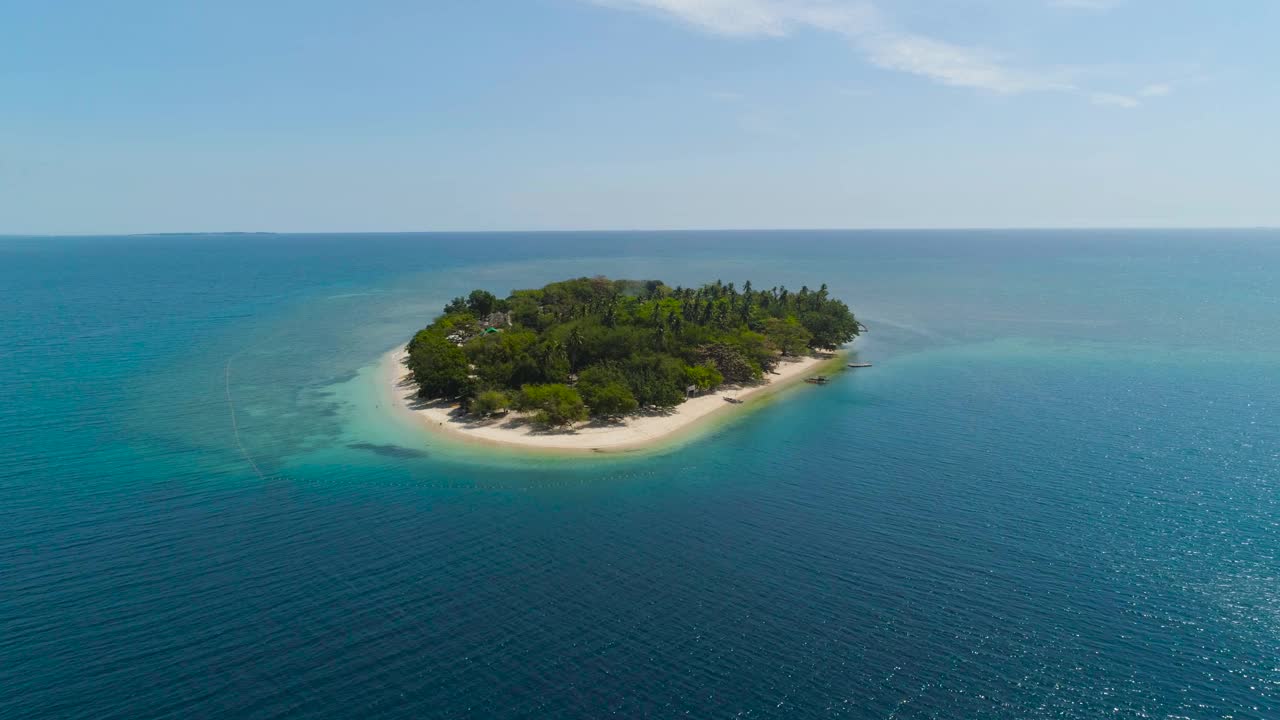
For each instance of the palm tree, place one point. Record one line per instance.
(575, 345)
(720, 314)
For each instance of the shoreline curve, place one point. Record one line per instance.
(644, 432)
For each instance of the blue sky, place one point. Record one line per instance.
(149, 116)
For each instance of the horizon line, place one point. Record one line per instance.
(975, 228)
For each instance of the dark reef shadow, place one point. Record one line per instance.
(395, 451)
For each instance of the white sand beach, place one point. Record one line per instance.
(633, 433)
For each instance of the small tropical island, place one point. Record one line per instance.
(599, 364)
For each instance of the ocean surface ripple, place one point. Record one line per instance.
(1054, 496)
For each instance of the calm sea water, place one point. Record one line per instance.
(1055, 496)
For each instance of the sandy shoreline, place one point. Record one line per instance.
(634, 433)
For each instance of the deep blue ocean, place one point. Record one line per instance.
(1054, 496)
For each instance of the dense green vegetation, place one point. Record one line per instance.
(606, 348)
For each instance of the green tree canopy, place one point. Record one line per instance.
(631, 343)
(482, 303)
(605, 390)
(490, 402)
(788, 335)
(439, 367)
(552, 404)
(704, 377)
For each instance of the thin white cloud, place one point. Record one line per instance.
(1114, 100)
(953, 65)
(872, 34)
(751, 17)
(1156, 90)
(1085, 4)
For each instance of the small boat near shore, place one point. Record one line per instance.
(859, 364)
(817, 380)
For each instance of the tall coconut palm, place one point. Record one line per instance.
(576, 342)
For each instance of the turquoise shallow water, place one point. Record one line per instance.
(1055, 496)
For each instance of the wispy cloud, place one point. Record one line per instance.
(757, 17)
(1114, 100)
(1130, 101)
(953, 65)
(875, 37)
(1085, 4)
